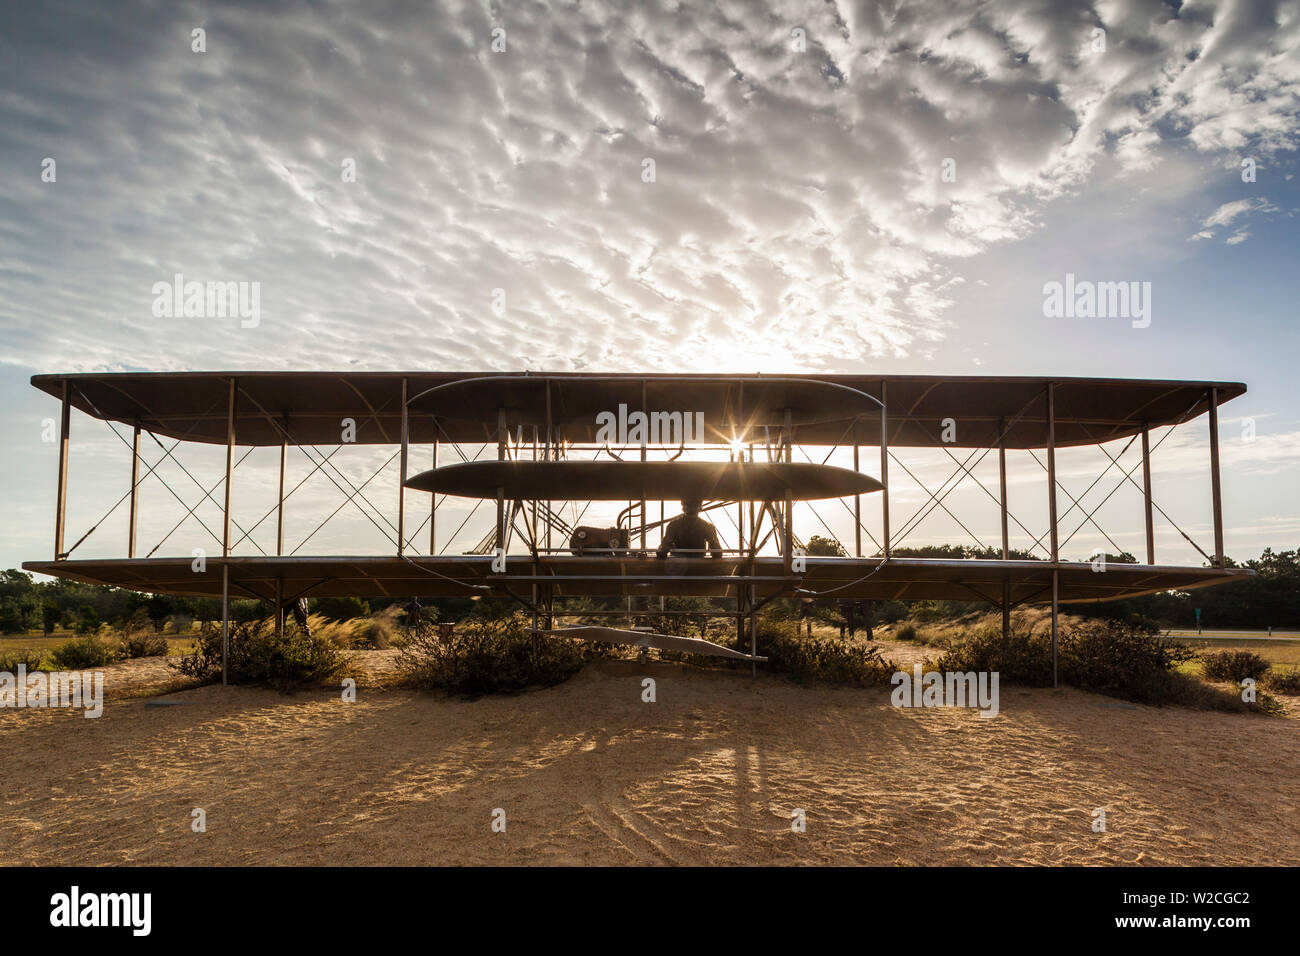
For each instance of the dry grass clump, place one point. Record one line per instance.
(820, 659)
(1108, 657)
(481, 656)
(257, 655)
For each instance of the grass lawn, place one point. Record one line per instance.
(176, 644)
(1278, 653)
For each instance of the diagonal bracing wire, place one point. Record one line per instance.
(376, 474)
(207, 494)
(287, 496)
(95, 527)
(1186, 536)
(195, 507)
(95, 408)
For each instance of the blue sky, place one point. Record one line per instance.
(798, 219)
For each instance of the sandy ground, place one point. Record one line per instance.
(587, 773)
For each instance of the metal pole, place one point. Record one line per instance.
(550, 456)
(788, 529)
(279, 607)
(753, 633)
(1215, 488)
(857, 500)
(225, 620)
(433, 509)
(1056, 599)
(1006, 608)
(135, 482)
(1002, 506)
(401, 484)
(61, 504)
(501, 492)
(884, 471)
(1146, 494)
(1002, 483)
(1051, 468)
(753, 520)
(645, 409)
(279, 495)
(230, 467)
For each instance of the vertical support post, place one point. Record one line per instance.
(753, 631)
(61, 503)
(225, 619)
(740, 617)
(501, 493)
(279, 495)
(754, 519)
(1002, 506)
(1002, 486)
(230, 468)
(739, 455)
(279, 607)
(1051, 475)
(1146, 494)
(135, 483)
(1215, 488)
(1006, 609)
(550, 456)
(645, 408)
(884, 471)
(401, 483)
(433, 508)
(1056, 600)
(857, 500)
(787, 549)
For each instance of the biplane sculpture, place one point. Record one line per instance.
(566, 438)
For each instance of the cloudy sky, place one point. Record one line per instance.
(836, 187)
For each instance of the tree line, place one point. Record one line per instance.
(1271, 599)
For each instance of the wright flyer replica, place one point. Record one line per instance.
(491, 475)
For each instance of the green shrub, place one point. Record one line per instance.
(906, 632)
(811, 658)
(1279, 682)
(485, 656)
(1128, 661)
(1020, 657)
(28, 657)
(257, 655)
(81, 653)
(1234, 666)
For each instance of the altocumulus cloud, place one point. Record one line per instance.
(798, 215)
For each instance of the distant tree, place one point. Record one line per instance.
(14, 615)
(827, 547)
(51, 614)
(88, 622)
(158, 608)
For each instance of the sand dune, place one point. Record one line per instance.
(587, 773)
